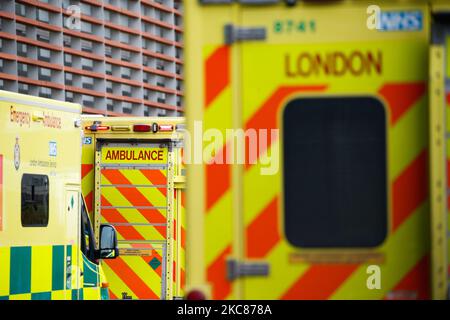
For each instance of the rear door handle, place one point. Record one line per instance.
(237, 269)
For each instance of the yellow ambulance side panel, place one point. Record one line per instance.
(40, 136)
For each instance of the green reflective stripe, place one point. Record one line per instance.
(77, 294)
(74, 294)
(41, 296)
(104, 293)
(90, 273)
(20, 270)
(4, 298)
(58, 268)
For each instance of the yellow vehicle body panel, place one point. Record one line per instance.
(315, 51)
(44, 261)
(129, 180)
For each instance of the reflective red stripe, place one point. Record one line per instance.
(401, 96)
(112, 296)
(267, 115)
(410, 189)
(218, 179)
(262, 233)
(89, 201)
(183, 199)
(131, 279)
(319, 282)
(113, 215)
(156, 177)
(183, 237)
(217, 276)
(174, 271)
(415, 284)
(183, 279)
(151, 215)
(132, 194)
(85, 169)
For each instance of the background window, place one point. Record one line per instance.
(43, 15)
(67, 60)
(335, 172)
(22, 69)
(45, 74)
(22, 49)
(35, 189)
(43, 35)
(44, 54)
(87, 64)
(45, 92)
(23, 88)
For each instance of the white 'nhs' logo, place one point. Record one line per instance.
(394, 20)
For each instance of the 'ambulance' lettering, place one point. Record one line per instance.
(140, 155)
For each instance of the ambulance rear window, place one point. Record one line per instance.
(34, 201)
(335, 181)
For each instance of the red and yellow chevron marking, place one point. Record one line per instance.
(119, 190)
(135, 202)
(217, 73)
(88, 176)
(218, 219)
(414, 280)
(179, 253)
(134, 275)
(179, 244)
(182, 239)
(406, 247)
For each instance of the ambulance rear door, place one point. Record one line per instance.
(134, 193)
(333, 218)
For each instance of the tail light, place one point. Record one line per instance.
(196, 295)
(96, 127)
(142, 128)
(165, 127)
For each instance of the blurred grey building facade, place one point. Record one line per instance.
(114, 57)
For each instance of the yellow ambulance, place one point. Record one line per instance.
(345, 195)
(47, 246)
(133, 179)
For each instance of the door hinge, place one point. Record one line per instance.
(236, 269)
(234, 34)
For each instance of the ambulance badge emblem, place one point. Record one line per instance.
(17, 154)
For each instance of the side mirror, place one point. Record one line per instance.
(108, 242)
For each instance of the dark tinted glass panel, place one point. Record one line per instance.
(35, 199)
(335, 172)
